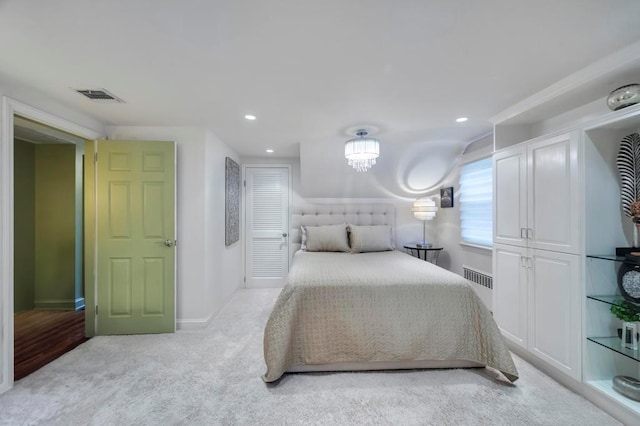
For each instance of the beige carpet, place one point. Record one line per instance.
(212, 376)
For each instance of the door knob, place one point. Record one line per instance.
(284, 234)
(170, 243)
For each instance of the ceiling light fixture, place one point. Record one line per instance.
(461, 119)
(250, 117)
(270, 151)
(361, 152)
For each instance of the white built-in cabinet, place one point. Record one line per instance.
(536, 262)
(537, 305)
(557, 223)
(537, 196)
(510, 277)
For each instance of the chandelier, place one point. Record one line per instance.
(361, 152)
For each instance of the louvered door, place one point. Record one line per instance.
(267, 226)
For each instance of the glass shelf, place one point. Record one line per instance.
(611, 300)
(615, 344)
(611, 258)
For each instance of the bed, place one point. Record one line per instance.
(374, 310)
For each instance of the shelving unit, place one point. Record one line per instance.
(604, 355)
(606, 228)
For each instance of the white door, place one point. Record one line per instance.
(510, 265)
(510, 189)
(266, 226)
(554, 201)
(554, 309)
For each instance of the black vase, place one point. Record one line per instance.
(629, 281)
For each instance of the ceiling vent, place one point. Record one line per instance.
(99, 95)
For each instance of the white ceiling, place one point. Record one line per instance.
(309, 70)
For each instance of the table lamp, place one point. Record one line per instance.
(424, 209)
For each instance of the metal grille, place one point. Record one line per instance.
(478, 277)
(99, 95)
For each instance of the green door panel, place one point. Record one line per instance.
(136, 216)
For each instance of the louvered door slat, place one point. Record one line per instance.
(267, 262)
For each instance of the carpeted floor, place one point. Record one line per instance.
(212, 376)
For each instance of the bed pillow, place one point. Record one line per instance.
(364, 239)
(325, 238)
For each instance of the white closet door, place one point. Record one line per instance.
(510, 196)
(554, 194)
(267, 226)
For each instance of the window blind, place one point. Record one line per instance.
(476, 202)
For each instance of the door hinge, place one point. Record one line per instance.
(96, 309)
(244, 183)
(245, 280)
(95, 157)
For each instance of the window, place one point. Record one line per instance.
(476, 202)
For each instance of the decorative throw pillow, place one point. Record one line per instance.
(325, 238)
(364, 239)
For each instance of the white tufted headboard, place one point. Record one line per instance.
(335, 214)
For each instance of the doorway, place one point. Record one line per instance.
(11, 107)
(48, 244)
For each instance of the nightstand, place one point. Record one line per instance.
(430, 254)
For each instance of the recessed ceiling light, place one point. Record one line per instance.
(250, 117)
(270, 151)
(461, 119)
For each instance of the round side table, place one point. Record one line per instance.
(429, 254)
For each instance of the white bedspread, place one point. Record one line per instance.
(386, 306)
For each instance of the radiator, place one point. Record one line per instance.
(478, 277)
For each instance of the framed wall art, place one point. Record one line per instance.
(446, 197)
(232, 202)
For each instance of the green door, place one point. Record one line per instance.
(136, 237)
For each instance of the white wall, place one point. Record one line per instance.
(408, 229)
(208, 272)
(456, 255)
(223, 265)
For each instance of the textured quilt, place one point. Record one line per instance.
(385, 306)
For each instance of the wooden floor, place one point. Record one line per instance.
(42, 336)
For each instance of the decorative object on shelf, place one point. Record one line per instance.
(629, 281)
(623, 97)
(627, 386)
(630, 335)
(630, 253)
(231, 202)
(362, 152)
(424, 209)
(620, 334)
(628, 162)
(629, 314)
(446, 197)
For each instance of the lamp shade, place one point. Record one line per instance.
(424, 209)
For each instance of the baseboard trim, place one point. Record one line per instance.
(194, 324)
(59, 304)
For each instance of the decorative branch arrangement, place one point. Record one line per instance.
(628, 162)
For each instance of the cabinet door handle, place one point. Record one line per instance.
(523, 263)
(530, 233)
(523, 233)
(529, 263)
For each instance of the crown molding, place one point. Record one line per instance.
(622, 58)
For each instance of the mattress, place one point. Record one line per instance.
(381, 308)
